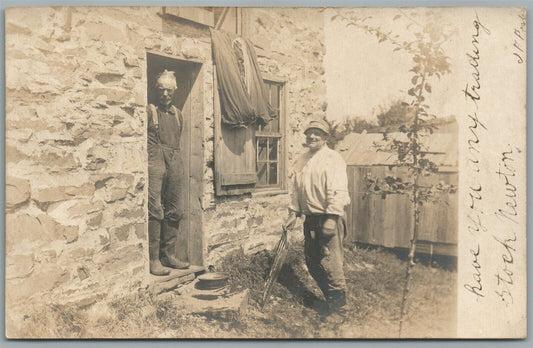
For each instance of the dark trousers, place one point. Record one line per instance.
(165, 188)
(324, 255)
(165, 183)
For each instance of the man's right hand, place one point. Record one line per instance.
(329, 228)
(291, 220)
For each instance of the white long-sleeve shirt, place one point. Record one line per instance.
(320, 183)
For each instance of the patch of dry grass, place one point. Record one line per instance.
(374, 278)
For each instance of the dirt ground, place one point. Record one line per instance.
(375, 279)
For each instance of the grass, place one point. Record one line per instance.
(374, 279)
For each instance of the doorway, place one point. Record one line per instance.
(189, 99)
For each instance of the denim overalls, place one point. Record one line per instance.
(165, 167)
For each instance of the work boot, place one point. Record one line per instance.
(337, 301)
(154, 232)
(173, 262)
(169, 235)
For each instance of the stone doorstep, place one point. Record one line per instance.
(221, 305)
(180, 286)
(176, 278)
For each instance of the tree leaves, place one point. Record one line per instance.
(430, 63)
(387, 185)
(416, 68)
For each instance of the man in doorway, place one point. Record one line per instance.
(165, 177)
(320, 193)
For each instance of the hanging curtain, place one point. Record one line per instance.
(243, 96)
(256, 88)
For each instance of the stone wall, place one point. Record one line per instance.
(76, 168)
(76, 162)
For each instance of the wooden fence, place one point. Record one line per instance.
(388, 221)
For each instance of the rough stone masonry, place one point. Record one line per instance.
(76, 162)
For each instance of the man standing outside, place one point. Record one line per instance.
(165, 175)
(320, 193)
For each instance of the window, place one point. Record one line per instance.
(269, 143)
(251, 159)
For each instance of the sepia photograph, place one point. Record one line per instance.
(265, 172)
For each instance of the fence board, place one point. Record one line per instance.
(388, 221)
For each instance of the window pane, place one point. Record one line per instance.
(262, 149)
(261, 173)
(274, 125)
(274, 96)
(268, 127)
(273, 150)
(274, 102)
(268, 87)
(269, 147)
(273, 177)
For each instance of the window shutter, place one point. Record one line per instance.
(235, 171)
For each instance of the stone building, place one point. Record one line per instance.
(77, 86)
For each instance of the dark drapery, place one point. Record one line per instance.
(243, 96)
(257, 90)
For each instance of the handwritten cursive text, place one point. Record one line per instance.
(474, 143)
(506, 237)
(519, 39)
(471, 89)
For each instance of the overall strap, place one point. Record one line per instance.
(178, 116)
(155, 117)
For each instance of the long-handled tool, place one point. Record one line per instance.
(279, 258)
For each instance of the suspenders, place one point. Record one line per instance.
(155, 117)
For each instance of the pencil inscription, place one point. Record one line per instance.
(506, 237)
(519, 39)
(475, 214)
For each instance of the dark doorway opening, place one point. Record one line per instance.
(189, 99)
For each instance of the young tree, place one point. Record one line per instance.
(429, 63)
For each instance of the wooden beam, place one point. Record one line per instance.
(222, 17)
(218, 131)
(239, 21)
(196, 172)
(238, 178)
(181, 58)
